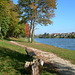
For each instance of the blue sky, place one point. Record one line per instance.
(64, 20)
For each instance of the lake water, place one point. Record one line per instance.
(66, 43)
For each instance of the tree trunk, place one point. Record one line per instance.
(32, 39)
(30, 36)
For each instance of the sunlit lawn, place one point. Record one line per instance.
(63, 53)
(12, 59)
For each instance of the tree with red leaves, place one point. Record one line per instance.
(26, 30)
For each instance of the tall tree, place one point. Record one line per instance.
(4, 10)
(13, 19)
(7, 9)
(37, 11)
(4, 17)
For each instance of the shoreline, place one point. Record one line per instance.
(58, 42)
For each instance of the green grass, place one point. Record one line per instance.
(12, 59)
(63, 53)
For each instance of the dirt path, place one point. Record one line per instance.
(63, 66)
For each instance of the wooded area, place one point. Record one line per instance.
(14, 17)
(9, 21)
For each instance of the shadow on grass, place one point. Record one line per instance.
(14, 59)
(50, 69)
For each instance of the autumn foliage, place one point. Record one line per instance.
(36, 12)
(26, 30)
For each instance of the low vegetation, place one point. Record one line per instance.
(63, 53)
(12, 59)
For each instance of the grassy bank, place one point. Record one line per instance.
(12, 59)
(63, 53)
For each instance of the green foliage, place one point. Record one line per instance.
(8, 14)
(39, 10)
(19, 30)
(74, 36)
(4, 10)
(13, 20)
(36, 11)
(45, 35)
(5, 26)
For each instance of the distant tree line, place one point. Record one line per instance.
(56, 35)
(45, 35)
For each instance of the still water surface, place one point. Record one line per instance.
(66, 43)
